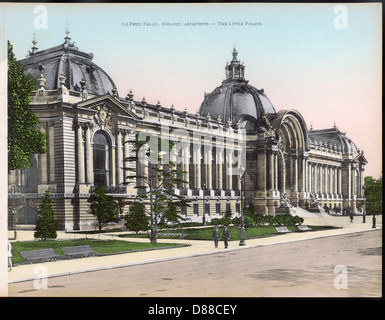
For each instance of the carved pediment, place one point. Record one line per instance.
(106, 111)
(106, 106)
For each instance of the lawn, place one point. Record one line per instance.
(100, 246)
(207, 233)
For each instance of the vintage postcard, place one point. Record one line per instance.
(191, 150)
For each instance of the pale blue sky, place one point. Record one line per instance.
(297, 55)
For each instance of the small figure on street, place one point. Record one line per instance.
(9, 256)
(216, 236)
(226, 236)
(351, 216)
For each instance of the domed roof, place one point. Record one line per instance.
(333, 137)
(73, 63)
(235, 99)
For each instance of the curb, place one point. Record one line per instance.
(144, 262)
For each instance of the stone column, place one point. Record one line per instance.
(275, 171)
(51, 152)
(113, 165)
(197, 165)
(119, 158)
(126, 147)
(186, 165)
(353, 179)
(43, 177)
(219, 155)
(271, 170)
(80, 154)
(295, 173)
(229, 169)
(326, 181)
(89, 157)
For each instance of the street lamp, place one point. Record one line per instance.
(14, 222)
(364, 209)
(242, 180)
(204, 188)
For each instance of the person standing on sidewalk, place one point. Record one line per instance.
(226, 236)
(351, 216)
(216, 236)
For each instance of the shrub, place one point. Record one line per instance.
(46, 224)
(136, 220)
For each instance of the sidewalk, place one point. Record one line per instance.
(196, 248)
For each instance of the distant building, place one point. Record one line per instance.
(88, 124)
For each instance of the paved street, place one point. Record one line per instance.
(301, 268)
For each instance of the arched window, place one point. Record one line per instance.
(101, 159)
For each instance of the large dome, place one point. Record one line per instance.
(235, 99)
(74, 64)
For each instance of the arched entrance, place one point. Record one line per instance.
(292, 146)
(101, 154)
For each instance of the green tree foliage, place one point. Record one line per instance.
(157, 184)
(373, 195)
(136, 220)
(103, 206)
(23, 137)
(46, 224)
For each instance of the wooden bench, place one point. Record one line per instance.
(42, 254)
(283, 229)
(304, 228)
(83, 251)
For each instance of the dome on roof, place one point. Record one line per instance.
(235, 99)
(74, 64)
(335, 137)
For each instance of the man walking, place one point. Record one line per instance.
(226, 236)
(216, 236)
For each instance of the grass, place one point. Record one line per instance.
(207, 233)
(100, 246)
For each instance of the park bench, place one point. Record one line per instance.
(83, 251)
(41, 254)
(304, 228)
(283, 229)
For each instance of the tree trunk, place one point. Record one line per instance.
(154, 232)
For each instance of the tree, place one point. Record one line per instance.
(103, 206)
(46, 224)
(373, 195)
(136, 220)
(24, 139)
(156, 184)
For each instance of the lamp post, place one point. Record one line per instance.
(242, 180)
(364, 208)
(14, 222)
(204, 188)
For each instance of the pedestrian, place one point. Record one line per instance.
(9, 256)
(226, 236)
(351, 216)
(216, 236)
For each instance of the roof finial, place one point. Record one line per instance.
(34, 48)
(67, 38)
(235, 54)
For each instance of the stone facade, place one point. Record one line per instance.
(88, 127)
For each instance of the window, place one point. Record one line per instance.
(101, 159)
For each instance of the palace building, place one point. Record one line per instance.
(88, 126)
